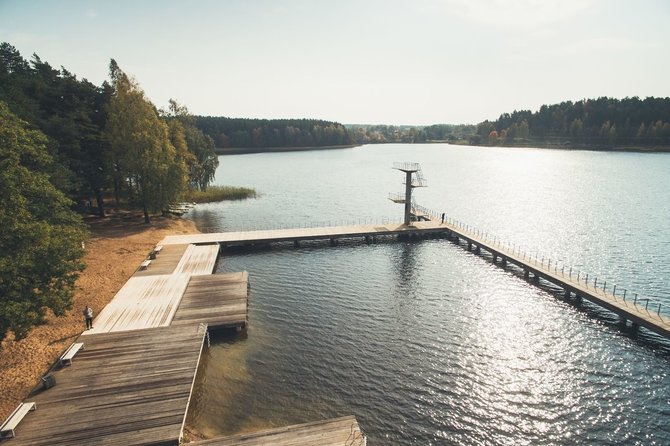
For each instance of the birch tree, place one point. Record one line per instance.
(145, 161)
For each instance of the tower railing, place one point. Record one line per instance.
(406, 166)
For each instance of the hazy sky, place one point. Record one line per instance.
(393, 62)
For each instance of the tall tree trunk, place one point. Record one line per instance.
(147, 220)
(143, 192)
(101, 203)
(116, 191)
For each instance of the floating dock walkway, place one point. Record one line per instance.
(641, 312)
(367, 232)
(628, 306)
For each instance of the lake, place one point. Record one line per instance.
(424, 342)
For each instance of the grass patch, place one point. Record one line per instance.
(219, 193)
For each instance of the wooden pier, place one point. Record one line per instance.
(153, 295)
(297, 235)
(130, 379)
(334, 432)
(126, 388)
(143, 302)
(219, 300)
(628, 308)
(573, 285)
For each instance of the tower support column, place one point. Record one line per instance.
(408, 197)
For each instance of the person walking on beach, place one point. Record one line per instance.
(88, 315)
(442, 218)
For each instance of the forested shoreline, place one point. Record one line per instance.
(109, 142)
(591, 124)
(244, 133)
(408, 134)
(599, 124)
(65, 142)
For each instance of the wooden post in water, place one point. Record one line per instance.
(622, 321)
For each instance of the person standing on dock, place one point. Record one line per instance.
(88, 315)
(442, 218)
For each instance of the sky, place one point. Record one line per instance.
(394, 62)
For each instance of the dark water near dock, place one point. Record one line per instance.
(424, 342)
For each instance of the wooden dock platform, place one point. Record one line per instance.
(143, 302)
(219, 300)
(628, 310)
(182, 259)
(150, 299)
(131, 382)
(198, 259)
(165, 262)
(126, 388)
(229, 239)
(334, 432)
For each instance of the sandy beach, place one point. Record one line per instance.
(117, 245)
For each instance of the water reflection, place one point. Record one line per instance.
(405, 258)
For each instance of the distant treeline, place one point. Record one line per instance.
(599, 123)
(260, 133)
(380, 134)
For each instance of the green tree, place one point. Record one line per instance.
(41, 240)
(576, 128)
(201, 160)
(144, 159)
(69, 112)
(523, 129)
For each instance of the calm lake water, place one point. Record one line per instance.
(428, 344)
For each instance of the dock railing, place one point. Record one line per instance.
(643, 305)
(406, 166)
(315, 224)
(647, 306)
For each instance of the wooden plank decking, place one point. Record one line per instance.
(165, 262)
(639, 315)
(299, 234)
(334, 432)
(627, 310)
(198, 259)
(125, 388)
(220, 300)
(143, 302)
(149, 299)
